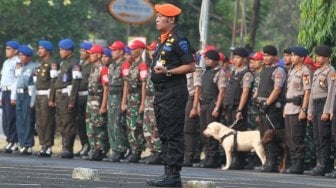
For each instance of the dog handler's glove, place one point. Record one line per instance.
(264, 108)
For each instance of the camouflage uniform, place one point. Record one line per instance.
(116, 125)
(96, 122)
(151, 133)
(134, 120)
(253, 110)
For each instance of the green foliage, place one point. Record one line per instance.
(317, 23)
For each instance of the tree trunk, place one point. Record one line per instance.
(253, 24)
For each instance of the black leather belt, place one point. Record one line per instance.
(168, 84)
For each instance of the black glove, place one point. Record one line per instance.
(264, 108)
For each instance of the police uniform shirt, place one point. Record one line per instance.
(219, 78)
(322, 87)
(173, 52)
(247, 79)
(8, 76)
(26, 77)
(279, 77)
(84, 82)
(193, 80)
(298, 81)
(43, 80)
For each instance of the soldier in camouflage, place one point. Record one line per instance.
(96, 116)
(135, 74)
(150, 130)
(256, 65)
(116, 125)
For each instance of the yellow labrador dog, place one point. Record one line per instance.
(246, 141)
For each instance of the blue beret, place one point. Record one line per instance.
(25, 50)
(66, 44)
(46, 44)
(13, 44)
(127, 50)
(86, 45)
(107, 52)
(300, 51)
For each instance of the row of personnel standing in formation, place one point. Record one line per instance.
(256, 92)
(106, 97)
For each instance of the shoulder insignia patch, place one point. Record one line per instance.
(184, 46)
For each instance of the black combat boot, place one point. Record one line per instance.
(188, 160)
(212, 162)
(117, 156)
(295, 168)
(67, 147)
(84, 151)
(133, 158)
(331, 174)
(154, 159)
(97, 155)
(171, 178)
(269, 167)
(319, 170)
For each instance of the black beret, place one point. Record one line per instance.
(212, 54)
(287, 51)
(323, 50)
(271, 50)
(300, 51)
(242, 52)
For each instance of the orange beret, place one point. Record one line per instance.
(167, 9)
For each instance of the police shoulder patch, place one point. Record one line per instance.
(183, 44)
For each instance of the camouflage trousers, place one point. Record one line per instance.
(96, 124)
(116, 125)
(253, 119)
(149, 126)
(134, 121)
(310, 158)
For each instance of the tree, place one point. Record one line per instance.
(317, 23)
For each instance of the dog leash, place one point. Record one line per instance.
(235, 123)
(269, 120)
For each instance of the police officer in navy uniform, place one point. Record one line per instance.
(270, 97)
(173, 59)
(236, 98)
(66, 86)
(320, 108)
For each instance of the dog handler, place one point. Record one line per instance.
(295, 110)
(173, 59)
(270, 92)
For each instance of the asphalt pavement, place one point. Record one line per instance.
(33, 171)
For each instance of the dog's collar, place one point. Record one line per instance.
(227, 135)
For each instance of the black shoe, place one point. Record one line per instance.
(295, 168)
(331, 174)
(97, 155)
(269, 167)
(155, 159)
(133, 158)
(66, 154)
(117, 156)
(26, 151)
(188, 161)
(45, 152)
(210, 163)
(318, 170)
(144, 159)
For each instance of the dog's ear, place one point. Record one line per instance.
(216, 128)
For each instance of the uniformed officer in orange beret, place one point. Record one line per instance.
(173, 59)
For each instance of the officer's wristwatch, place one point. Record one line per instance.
(304, 109)
(168, 73)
